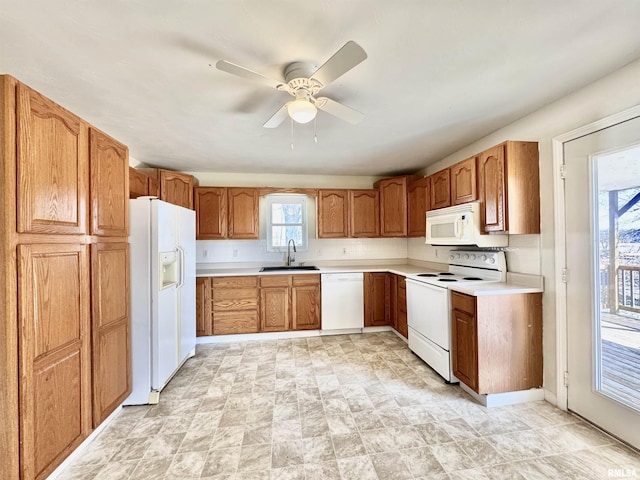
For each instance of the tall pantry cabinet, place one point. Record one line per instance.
(64, 334)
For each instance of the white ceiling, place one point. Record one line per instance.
(440, 74)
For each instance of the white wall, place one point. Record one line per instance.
(612, 94)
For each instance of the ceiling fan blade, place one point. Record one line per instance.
(350, 55)
(234, 69)
(277, 118)
(339, 110)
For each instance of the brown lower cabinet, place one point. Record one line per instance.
(385, 301)
(497, 341)
(234, 305)
(251, 304)
(377, 299)
(401, 307)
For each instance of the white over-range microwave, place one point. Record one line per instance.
(460, 225)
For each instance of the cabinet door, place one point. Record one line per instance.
(52, 166)
(393, 207)
(333, 214)
(401, 320)
(211, 212)
(111, 327)
(463, 182)
(418, 202)
(393, 300)
(492, 190)
(440, 189)
(176, 188)
(54, 355)
(364, 207)
(243, 213)
(376, 299)
(203, 307)
(305, 302)
(138, 183)
(109, 172)
(153, 187)
(274, 309)
(464, 339)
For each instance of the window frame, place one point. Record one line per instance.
(290, 198)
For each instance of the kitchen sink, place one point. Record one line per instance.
(284, 267)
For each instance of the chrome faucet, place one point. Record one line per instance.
(289, 259)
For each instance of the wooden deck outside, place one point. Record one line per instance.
(621, 357)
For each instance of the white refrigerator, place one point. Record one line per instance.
(163, 294)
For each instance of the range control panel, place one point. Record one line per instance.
(478, 258)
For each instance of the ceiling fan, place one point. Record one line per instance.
(303, 83)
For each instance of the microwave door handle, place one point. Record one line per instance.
(456, 228)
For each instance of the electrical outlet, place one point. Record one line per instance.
(235, 253)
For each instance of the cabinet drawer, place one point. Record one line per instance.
(275, 280)
(235, 322)
(235, 299)
(464, 303)
(306, 279)
(234, 282)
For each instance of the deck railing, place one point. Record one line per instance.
(628, 278)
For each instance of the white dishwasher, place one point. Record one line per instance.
(342, 302)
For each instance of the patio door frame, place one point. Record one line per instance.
(558, 142)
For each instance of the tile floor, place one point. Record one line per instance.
(352, 407)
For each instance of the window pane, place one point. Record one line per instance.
(280, 236)
(286, 213)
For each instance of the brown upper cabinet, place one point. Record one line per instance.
(418, 202)
(142, 185)
(167, 185)
(333, 213)
(223, 212)
(393, 205)
(244, 205)
(138, 183)
(211, 212)
(463, 182)
(509, 188)
(109, 164)
(364, 210)
(441, 189)
(348, 213)
(52, 151)
(176, 188)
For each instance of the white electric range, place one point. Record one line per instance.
(429, 303)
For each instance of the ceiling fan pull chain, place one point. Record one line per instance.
(292, 134)
(315, 129)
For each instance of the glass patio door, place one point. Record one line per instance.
(602, 205)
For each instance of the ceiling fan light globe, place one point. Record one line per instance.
(302, 111)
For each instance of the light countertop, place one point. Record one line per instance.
(399, 269)
(516, 283)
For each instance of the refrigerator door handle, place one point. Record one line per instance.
(182, 259)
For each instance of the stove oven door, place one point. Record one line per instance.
(428, 312)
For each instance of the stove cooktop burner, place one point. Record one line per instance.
(472, 278)
(427, 275)
(446, 273)
(447, 280)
